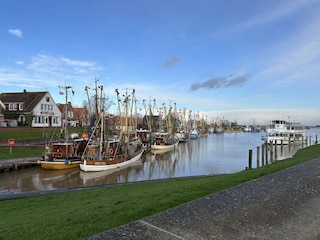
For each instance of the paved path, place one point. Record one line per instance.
(283, 205)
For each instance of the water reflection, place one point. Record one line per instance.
(215, 154)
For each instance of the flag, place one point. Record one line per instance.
(61, 93)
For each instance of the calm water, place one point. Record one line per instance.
(215, 154)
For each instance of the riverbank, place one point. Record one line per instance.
(282, 205)
(18, 163)
(81, 213)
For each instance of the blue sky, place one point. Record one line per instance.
(243, 60)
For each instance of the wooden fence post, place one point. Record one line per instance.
(250, 159)
(258, 157)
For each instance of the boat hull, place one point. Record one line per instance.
(164, 146)
(59, 165)
(105, 165)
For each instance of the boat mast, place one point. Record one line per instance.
(66, 135)
(134, 118)
(102, 121)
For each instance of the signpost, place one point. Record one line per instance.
(11, 143)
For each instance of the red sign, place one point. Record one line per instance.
(11, 142)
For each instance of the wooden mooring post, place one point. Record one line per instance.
(258, 157)
(262, 154)
(271, 151)
(250, 159)
(266, 148)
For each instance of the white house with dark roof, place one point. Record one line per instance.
(2, 108)
(36, 109)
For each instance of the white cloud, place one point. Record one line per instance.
(264, 116)
(297, 57)
(43, 71)
(15, 32)
(283, 9)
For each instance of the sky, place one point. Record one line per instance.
(247, 61)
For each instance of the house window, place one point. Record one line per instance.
(12, 106)
(21, 106)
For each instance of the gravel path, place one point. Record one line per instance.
(283, 205)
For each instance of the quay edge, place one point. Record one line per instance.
(18, 163)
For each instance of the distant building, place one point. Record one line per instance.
(36, 109)
(76, 116)
(82, 114)
(2, 108)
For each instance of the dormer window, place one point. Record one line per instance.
(12, 106)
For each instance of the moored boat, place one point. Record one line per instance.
(284, 132)
(64, 153)
(103, 154)
(194, 134)
(162, 141)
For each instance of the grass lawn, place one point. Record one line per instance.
(33, 133)
(20, 152)
(79, 214)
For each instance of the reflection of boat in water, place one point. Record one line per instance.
(59, 174)
(161, 151)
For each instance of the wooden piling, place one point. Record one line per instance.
(262, 154)
(258, 157)
(271, 151)
(250, 159)
(266, 144)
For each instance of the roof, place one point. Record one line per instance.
(79, 112)
(2, 106)
(30, 99)
(62, 107)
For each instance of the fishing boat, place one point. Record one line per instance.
(247, 128)
(103, 154)
(164, 141)
(218, 130)
(64, 153)
(182, 136)
(165, 138)
(194, 134)
(284, 132)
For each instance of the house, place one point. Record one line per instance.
(82, 114)
(76, 116)
(67, 114)
(2, 108)
(36, 109)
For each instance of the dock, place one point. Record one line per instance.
(18, 163)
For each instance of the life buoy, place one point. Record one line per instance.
(111, 151)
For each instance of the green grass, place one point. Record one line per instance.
(76, 215)
(20, 152)
(33, 133)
